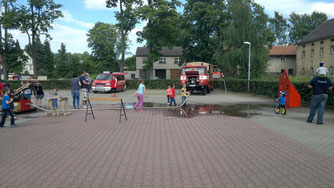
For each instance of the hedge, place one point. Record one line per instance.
(259, 87)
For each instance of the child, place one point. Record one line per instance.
(55, 97)
(184, 94)
(6, 109)
(141, 90)
(281, 100)
(172, 96)
(168, 93)
(113, 85)
(322, 71)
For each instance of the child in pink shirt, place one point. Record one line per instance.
(168, 93)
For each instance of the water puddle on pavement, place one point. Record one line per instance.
(192, 110)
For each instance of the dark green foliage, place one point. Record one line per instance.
(103, 40)
(279, 26)
(303, 24)
(130, 63)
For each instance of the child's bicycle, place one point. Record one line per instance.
(281, 110)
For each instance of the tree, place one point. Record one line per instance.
(161, 29)
(10, 51)
(248, 22)
(15, 58)
(47, 63)
(302, 24)
(202, 25)
(280, 27)
(127, 19)
(36, 19)
(130, 63)
(62, 62)
(103, 40)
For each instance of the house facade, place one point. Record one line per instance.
(166, 68)
(28, 65)
(280, 58)
(317, 46)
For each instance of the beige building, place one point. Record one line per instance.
(166, 68)
(280, 58)
(317, 46)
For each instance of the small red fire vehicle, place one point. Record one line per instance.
(103, 81)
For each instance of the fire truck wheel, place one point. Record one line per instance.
(204, 91)
(209, 90)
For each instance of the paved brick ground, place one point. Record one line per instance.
(153, 149)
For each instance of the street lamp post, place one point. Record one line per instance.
(249, 58)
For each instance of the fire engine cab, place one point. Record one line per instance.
(197, 76)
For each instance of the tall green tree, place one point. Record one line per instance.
(303, 24)
(280, 27)
(103, 40)
(15, 57)
(62, 62)
(202, 24)
(35, 19)
(11, 55)
(248, 22)
(127, 20)
(161, 29)
(47, 65)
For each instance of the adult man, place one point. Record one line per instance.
(84, 86)
(75, 82)
(320, 86)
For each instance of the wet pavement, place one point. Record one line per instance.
(237, 142)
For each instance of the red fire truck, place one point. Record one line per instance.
(198, 76)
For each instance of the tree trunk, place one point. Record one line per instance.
(121, 63)
(4, 58)
(33, 51)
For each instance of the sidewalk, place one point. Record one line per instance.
(153, 149)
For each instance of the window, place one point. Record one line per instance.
(331, 70)
(312, 44)
(332, 40)
(283, 58)
(162, 60)
(30, 67)
(303, 70)
(144, 59)
(303, 54)
(312, 53)
(332, 50)
(290, 71)
(312, 70)
(177, 60)
(321, 42)
(303, 46)
(321, 51)
(271, 58)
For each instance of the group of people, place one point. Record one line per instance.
(170, 92)
(82, 83)
(321, 85)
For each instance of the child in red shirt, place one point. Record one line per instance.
(172, 96)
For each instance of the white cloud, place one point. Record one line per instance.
(298, 6)
(75, 39)
(96, 4)
(68, 18)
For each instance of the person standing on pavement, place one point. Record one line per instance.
(39, 94)
(172, 96)
(113, 85)
(6, 109)
(321, 87)
(141, 90)
(88, 80)
(84, 85)
(75, 82)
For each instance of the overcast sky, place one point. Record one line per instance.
(80, 16)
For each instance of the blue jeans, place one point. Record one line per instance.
(318, 102)
(184, 99)
(172, 100)
(76, 97)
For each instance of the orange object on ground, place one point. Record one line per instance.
(292, 96)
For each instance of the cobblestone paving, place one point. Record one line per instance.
(152, 149)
